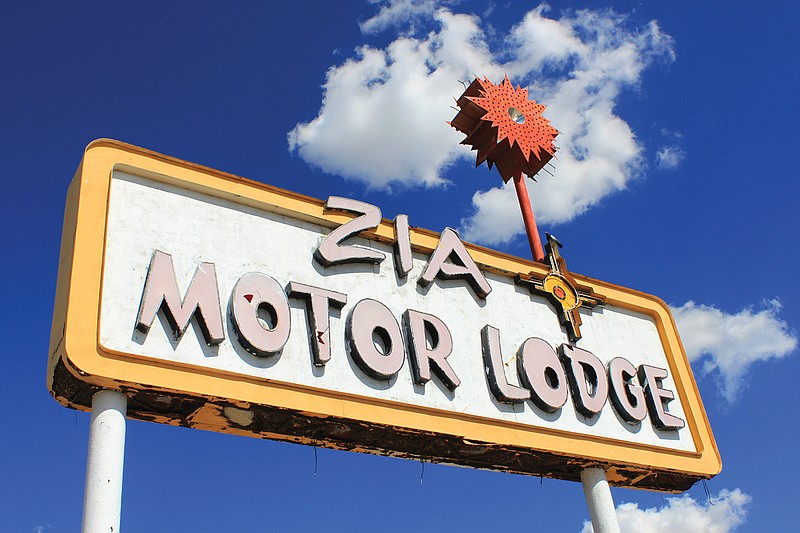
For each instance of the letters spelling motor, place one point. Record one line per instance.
(547, 375)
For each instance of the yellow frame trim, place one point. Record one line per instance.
(76, 325)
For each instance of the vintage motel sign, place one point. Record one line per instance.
(229, 305)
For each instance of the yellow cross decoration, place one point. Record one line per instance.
(560, 289)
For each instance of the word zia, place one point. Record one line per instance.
(378, 343)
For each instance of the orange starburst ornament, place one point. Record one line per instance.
(506, 128)
(509, 132)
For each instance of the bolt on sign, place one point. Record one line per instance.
(223, 304)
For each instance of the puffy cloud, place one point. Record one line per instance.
(383, 115)
(669, 157)
(398, 12)
(599, 153)
(383, 112)
(730, 343)
(726, 511)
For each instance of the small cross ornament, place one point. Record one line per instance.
(560, 289)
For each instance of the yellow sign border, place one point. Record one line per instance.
(75, 343)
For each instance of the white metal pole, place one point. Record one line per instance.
(599, 500)
(102, 501)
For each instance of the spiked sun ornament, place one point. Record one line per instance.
(506, 128)
(509, 132)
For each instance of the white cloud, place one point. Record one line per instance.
(730, 343)
(398, 12)
(599, 153)
(383, 112)
(726, 511)
(669, 157)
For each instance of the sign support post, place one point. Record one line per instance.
(102, 501)
(527, 217)
(599, 500)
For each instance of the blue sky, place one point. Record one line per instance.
(677, 177)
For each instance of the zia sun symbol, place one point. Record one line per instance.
(506, 128)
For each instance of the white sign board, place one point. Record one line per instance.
(313, 368)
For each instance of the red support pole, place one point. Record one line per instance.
(527, 217)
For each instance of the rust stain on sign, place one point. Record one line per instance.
(339, 433)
